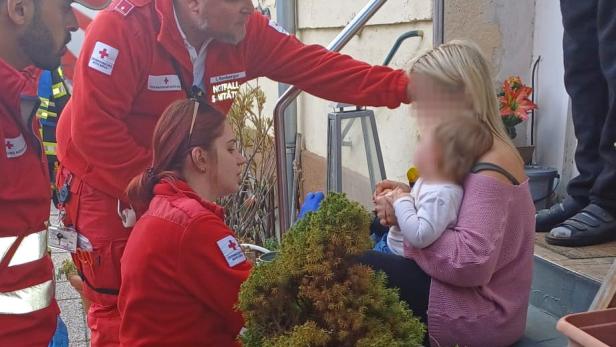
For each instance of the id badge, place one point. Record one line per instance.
(62, 237)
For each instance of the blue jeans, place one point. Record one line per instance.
(60, 338)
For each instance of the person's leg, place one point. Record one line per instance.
(596, 223)
(603, 192)
(402, 273)
(94, 215)
(377, 229)
(587, 88)
(104, 323)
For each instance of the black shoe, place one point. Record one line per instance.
(547, 219)
(591, 226)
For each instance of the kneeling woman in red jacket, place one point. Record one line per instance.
(183, 267)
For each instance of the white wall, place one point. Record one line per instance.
(503, 29)
(396, 127)
(555, 141)
(319, 22)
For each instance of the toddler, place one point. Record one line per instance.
(443, 157)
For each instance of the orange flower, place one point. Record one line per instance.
(514, 101)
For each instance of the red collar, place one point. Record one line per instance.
(178, 188)
(169, 36)
(15, 84)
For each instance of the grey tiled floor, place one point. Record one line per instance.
(70, 305)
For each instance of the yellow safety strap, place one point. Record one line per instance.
(45, 114)
(58, 90)
(50, 148)
(44, 102)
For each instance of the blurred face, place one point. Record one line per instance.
(426, 159)
(44, 39)
(228, 163)
(435, 102)
(223, 20)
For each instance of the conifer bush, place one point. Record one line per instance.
(316, 294)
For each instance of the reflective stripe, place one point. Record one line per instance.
(44, 102)
(44, 114)
(27, 300)
(58, 90)
(5, 244)
(50, 148)
(32, 248)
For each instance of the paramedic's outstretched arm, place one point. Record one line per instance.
(320, 72)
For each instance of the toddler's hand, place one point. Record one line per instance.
(397, 194)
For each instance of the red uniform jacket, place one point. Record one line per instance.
(125, 78)
(181, 274)
(25, 198)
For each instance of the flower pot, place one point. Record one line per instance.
(590, 329)
(267, 257)
(526, 152)
(77, 283)
(511, 132)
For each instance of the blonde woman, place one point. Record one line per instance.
(472, 285)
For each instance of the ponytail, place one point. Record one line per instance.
(171, 144)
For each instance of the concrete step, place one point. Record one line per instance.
(556, 291)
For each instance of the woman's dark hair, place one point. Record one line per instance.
(171, 144)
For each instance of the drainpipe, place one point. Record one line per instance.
(438, 20)
(286, 16)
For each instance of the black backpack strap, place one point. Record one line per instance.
(493, 167)
(193, 92)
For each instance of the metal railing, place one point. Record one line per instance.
(284, 211)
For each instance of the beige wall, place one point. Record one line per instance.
(503, 29)
(396, 127)
(319, 21)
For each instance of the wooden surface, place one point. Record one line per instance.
(606, 296)
(606, 250)
(595, 268)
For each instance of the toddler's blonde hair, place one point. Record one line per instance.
(461, 143)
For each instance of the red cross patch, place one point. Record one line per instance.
(124, 7)
(230, 249)
(15, 147)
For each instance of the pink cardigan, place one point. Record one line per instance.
(482, 269)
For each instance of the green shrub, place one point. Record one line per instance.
(316, 294)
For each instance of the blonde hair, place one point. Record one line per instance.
(459, 65)
(461, 143)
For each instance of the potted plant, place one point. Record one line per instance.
(314, 293)
(515, 105)
(250, 211)
(69, 271)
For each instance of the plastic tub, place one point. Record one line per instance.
(590, 329)
(542, 183)
(267, 257)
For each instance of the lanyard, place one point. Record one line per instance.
(193, 92)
